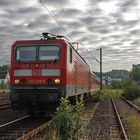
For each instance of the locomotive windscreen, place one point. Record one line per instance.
(39, 53)
(26, 53)
(49, 53)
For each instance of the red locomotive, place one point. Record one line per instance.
(44, 70)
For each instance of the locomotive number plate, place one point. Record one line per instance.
(36, 72)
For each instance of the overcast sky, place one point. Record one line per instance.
(113, 25)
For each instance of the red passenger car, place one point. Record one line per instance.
(44, 70)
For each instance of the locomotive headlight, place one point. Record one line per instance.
(57, 81)
(16, 81)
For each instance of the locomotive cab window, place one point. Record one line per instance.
(51, 52)
(26, 53)
(70, 55)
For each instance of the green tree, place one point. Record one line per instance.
(132, 92)
(117, 84)
(2, 85)
(135, 74)
(4, 68)
(127, 82)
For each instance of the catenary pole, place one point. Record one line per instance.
(100, 68)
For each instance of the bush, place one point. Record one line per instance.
(137, 100)
(132, 92)
(135, 74)
(67, 123)
(127, 82)
(117, 84)
(110, 93)
(95, 97)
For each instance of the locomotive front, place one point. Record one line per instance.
(37, 73)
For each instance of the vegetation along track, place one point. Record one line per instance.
(42, 131)
(19, 127)
(105, 124)
(126, 109)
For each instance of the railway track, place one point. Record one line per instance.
(127, 109)
(5, 106)
(132, 105)
(103, 125)
(11, 131)
(122, 127)
(4, 103)
(22, 128)
(39, 132)
(106, 123)
(4, 100)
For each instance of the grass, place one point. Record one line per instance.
(137, 100)
(134, 124)
(135, 127)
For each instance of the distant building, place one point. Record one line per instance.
(114, 75)
(4, 77)
(136, 66)
(118, 74)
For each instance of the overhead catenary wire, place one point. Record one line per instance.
(62, 28)
(54, 18)
(58, 7)
(88, 56)
(93, 56)
(90, 53)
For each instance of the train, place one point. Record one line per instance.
(42, 71)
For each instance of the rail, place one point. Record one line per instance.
(5, 106)
(132, 105)
(14, 121)
(119, 120)
(34, 132)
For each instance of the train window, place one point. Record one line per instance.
(26, 53)
(70, 55)
(49, 52)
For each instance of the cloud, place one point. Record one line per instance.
(112, 25)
